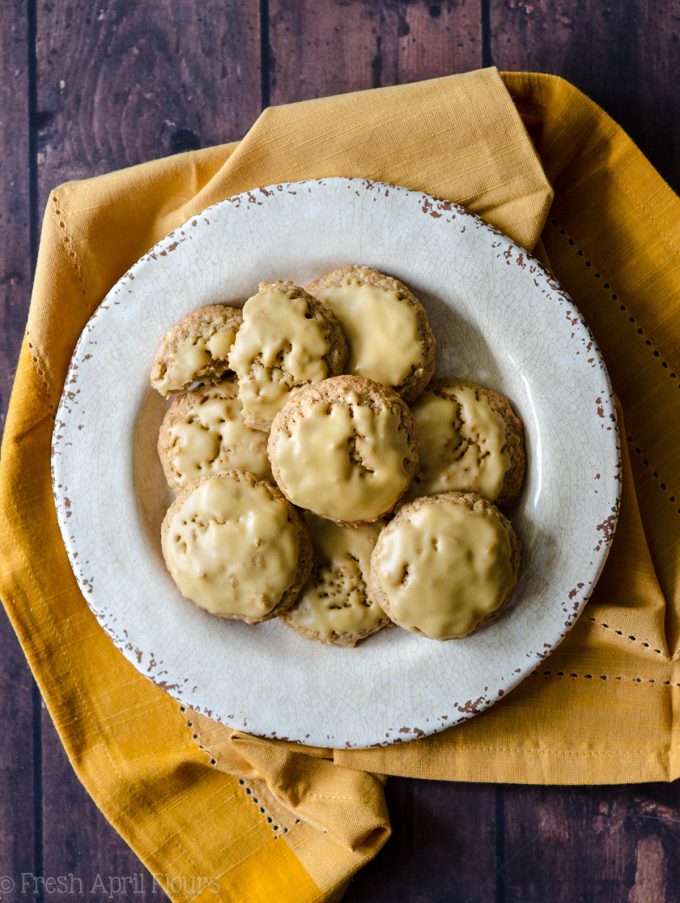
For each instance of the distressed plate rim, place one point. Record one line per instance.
(66, 432)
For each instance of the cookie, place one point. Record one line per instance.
(236, 547)
(470, 441)
(345, 449)
(445, 565)
(387, 330)
(195, 349)
(335, 605)
(203, 432)
(288, 340)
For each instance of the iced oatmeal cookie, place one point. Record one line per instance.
(288, 340)
(345, 449)
(389, 335)
(236, 547)
(336, 605)
(445, 565)
(195, 349)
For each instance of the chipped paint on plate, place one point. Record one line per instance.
(499, 319)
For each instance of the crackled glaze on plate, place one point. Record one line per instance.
(499, 319)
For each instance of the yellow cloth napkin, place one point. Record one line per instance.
(214, 811)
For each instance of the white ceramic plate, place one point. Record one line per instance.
(498, 318)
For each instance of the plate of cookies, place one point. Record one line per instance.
(337, 463)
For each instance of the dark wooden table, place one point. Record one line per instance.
(91, 86)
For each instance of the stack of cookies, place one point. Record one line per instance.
(323, 477)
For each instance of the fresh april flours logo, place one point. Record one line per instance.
(104, 887)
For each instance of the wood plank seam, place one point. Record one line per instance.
(499, 831)
(485, 13)
(34, 234)
(265, 51)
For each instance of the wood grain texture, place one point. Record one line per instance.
(617, 844)
(77, 839)
(168, 77)
(15, 211)
(346, 45)
(17, 750)
(443, 845)
(119, 82)
(623, 55)
(18, 697)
